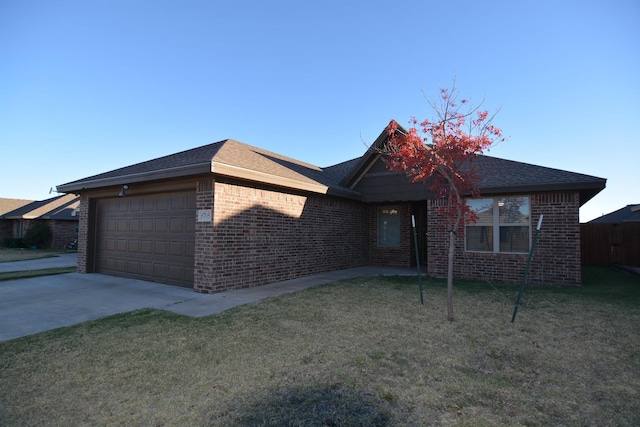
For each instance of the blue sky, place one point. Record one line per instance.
(90, 86)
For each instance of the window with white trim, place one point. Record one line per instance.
(388, 227)
(503, 225)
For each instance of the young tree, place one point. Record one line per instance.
(444, 149)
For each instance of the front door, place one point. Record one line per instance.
(419, 212)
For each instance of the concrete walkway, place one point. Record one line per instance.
(38, 304)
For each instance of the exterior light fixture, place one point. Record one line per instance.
(123, 191)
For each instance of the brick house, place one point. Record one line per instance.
(229, 215)
(58, 213)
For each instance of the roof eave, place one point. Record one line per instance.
(587, 189)
(176, 172)
(217, 168)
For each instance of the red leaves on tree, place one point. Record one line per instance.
(445, 150)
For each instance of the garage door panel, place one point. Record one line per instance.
(110, 245)
(190, 249)
(177, 249)
(162, 203)
(147, 237)
(146, 269)
(112, 206)
(160, 247)
(134, 246)
(135, 205)
(177, 202)
(123, 226)
(177, 225)
(159, 270)
(120, 264)
(111, 225)
(188, 272)
(147, 225)
(133, 267)
(146, 247)
(134, 225)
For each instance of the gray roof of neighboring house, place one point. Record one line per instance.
(235, 159)
(58, 208)
(630, 213)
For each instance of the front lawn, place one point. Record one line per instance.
(358, 352)
(12, 275)
(7, 255)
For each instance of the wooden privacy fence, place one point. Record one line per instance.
(608, 244)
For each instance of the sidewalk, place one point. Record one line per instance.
(29, 306)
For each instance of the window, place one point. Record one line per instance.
(504, 225)
(388, 227)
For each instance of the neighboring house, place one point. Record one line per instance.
(8, 205)
(630, 213)
(59, 213)
(229, 215)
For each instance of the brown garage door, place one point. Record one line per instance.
(148, 237)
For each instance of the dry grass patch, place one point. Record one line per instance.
(358, 352)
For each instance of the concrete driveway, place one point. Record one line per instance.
(38, 304)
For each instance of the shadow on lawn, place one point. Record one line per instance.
(334, 405)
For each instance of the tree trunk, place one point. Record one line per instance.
(452, 247)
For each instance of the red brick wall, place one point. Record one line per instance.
(83, 232)
(63, 233)
(204, 275)
(556, 259)
(261, 235)
(6, 229)
(399, 256)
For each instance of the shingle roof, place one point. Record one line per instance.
(226, 158)
(8, 205)
(235, 159)
(630, 213)
(497, 176)
(59, 208)
(508, 176)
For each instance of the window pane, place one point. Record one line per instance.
(479, 238)
(483, 208)
(388, 227)
(514, 210)
(514, 239)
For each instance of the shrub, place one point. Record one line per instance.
(13, 242)
(38, 235)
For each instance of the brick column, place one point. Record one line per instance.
(83, 233)
(204, 274)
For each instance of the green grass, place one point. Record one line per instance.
(36, 273)
(7, 255)
(358, 352)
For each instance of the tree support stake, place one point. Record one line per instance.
(526, 270)
(415, 241)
